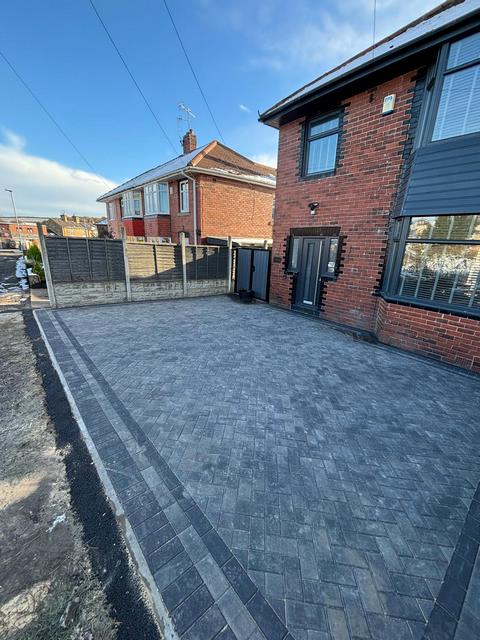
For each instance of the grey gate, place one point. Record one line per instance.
(253, 272)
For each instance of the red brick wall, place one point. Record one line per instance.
(181, 221)
(232, 208)
(134, 226)
(158, 226)
(115, 225)
(443, 336)
(358, 198)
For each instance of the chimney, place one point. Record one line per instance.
(189, 141)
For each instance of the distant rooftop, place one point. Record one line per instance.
(214, 157)
(21, 219)
(446, 14)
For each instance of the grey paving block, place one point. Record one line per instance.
(367, 591)
(217, 547)
(226, 634)
(268, 621)
(338, 624)
(164, 554)
(191, 609)
(339, 574)
(176, 517)
(172, 570)
(354, 612)
(193, 543)
(243, 625)
(181, 588)
(400, 606)
(348, 556)
(212, 576)
(150, 525)
(305, 615)
(383, 627)
(411, 586)
(156, 539)
(207, 626)
(319, 592)
(274, 585)
(239, 579)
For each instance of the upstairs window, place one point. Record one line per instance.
(183, 192)
(458, 111)
(131, 204)
(321, 144)
(156, 198)
(111, 210)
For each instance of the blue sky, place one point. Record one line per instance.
(248, 54)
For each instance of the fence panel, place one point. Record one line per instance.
(169, 262)
(85, 260)
(141, 260)
(156, 261)
(206, 262)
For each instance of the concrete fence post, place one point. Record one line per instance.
(184, 262)
(46, 267)
(229, 263)
(125, 263)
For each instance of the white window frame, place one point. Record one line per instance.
(184, 191)
(111, 210)
(128, 204)
(153, 200)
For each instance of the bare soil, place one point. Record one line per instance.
(48, 590)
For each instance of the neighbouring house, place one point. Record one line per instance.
(209, 191)
(73, 226)
(24, 233)
(377, 215)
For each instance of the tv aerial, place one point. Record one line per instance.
(185, 114)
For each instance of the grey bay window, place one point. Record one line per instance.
(435, 262)
(321, 144)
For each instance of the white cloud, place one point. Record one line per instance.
(316, 36)
(269, 159)
(44, 187)
(242, 107)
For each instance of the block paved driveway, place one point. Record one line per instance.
(281, 477)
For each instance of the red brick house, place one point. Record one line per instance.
(210, 191)
(25, 233)
(377, 216)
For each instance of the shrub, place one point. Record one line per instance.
(33, 254)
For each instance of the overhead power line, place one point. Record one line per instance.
(47, 112)
(132, 77)
(193, 70)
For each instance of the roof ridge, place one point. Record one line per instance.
(203, 152)
(158, 166)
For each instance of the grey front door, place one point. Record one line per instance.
(306, 292)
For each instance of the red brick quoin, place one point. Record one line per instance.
(359, 199)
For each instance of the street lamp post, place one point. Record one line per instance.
(20, 237)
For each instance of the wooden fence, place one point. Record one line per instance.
(85, 260)
(83, 271)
